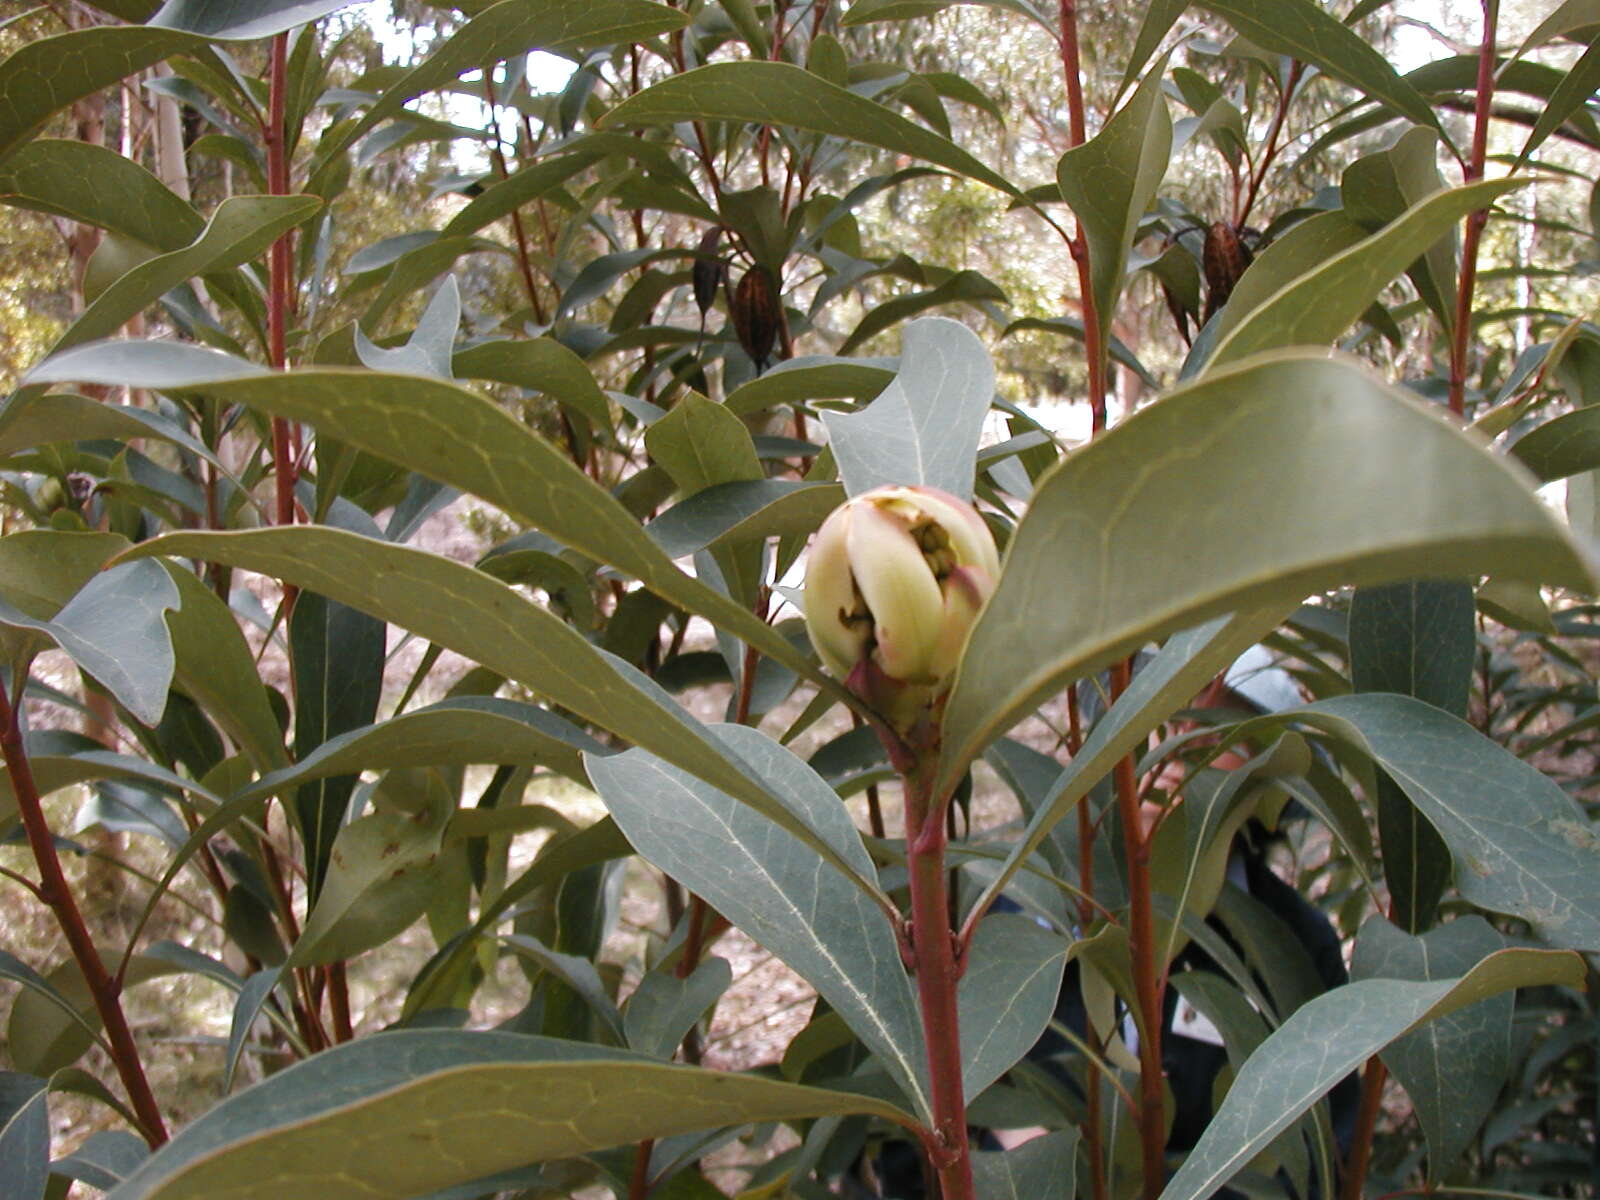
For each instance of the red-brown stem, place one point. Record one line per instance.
(54, 890)
(1355, 1172)
(639, 1181)
(1147, 980)
(497, 153)
(339, 1002)
(1270, 150)
(933, 944)
(280, 268)
(1472, 172)
(1077, 128)
(1086, 834)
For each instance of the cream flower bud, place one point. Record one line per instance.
(895, 579)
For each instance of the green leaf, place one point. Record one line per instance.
(1417, 638)
(241, 20)
(1100, 565)
(1566, 445)
(736, 512)
(575, 972)
(969, 286)
(1379, 188)
(337, 655)
(776, 93)
(1304, 248)
(97, 186)
(461, 731)
(923, 428)
(455, 436)
(1571, 95)
(701, 444)
(1304, 30)
(1568, 17)
(241, 228)
(492, 624)
(413, 1111)
(47, 74)
(1007, 995)
(540, 364)
(29, 420)
(663, 1008)
(771, 885)
(1043, 1168)
(503, 31)
(1327, 1038)
(1521, 844)
(522, 186)
(814, 377)
(114, 629)
(1110, 180)
(380, 878)
(1452, 1068)
(24, 1136)
(1318, 306)
(1159, 18)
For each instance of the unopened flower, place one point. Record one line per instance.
(894, 582)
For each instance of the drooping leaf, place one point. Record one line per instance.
(1111, 179)
(1571, 95)
(373, 1110)
(541, 364)
(240, 229)
(98, 186)
(1563, 446)
(776, 93)
(47, 74)
(773, 887)
(1098, 567)
(1520, 843)
(1327, 1038)
(1043, 1168)
(663, 1008)
(503, 31)
(1315, 308)
(1308, 32)
(454, 732)
(733, 512)
(1007, 995)
(923, 428)
(24, 1136)
(241, 20)
(452, 435)
(1417, 638)
(492, 624)
(1454, 1067)
(114, 628)
(967, 286)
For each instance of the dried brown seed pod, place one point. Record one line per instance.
(1225, 258)
(709, 270)
(754, 307)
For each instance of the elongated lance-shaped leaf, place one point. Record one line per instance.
(923, 428)
(1365, 486)
(772, 887)
(775, 93)
(734, 512)
(115, 630)
(1521, 844)
(454, 732)
(1317, 307)
(1567, 445)
(506, 30)
(1578, 84)
(1304, 30)
(1327, 1038)
(478, 616)
(1007, 995)
(1183, 667)
(242, 20)
(450, 434)
(47, 74)
(411, 1112)
(1417, 638)
(99, 187)
(1111, 179)
(240, 229)
(1452, 1068)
